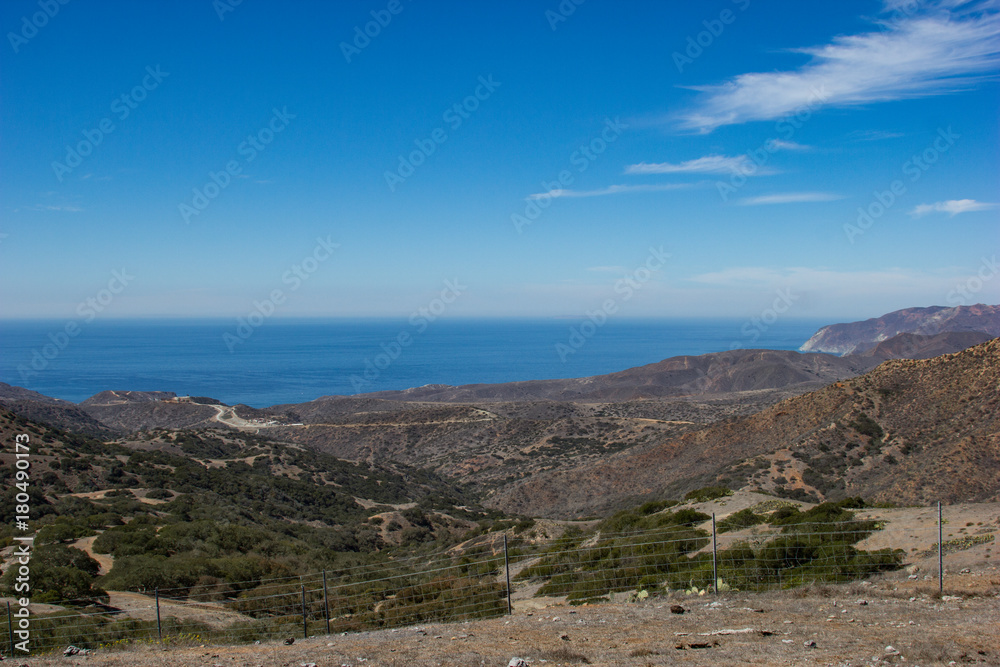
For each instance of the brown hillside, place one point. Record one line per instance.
(715, 373)
(915, 346)
(129, 411)
(907, 432)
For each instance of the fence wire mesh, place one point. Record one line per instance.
(464, 585)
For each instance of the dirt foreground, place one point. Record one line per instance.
(896, 621)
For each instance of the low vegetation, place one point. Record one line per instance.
(216, 513)
(666, 550)
(246, 524)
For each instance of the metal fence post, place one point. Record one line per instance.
(715, 558)
(305, 626)
(506, 568)
(940, 551)
(326, 604)
(10, 629)
(159, 628)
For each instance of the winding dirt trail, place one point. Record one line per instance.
(86, 544)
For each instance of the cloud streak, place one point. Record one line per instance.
(51, 207)
(717, 164)
(952, 207)
(790, 198)
(610, 190)
(710, 164)
(931, 53)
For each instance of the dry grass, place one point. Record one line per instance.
(927, 630)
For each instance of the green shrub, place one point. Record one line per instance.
(865, 425)
(745, 518)
(654, 506)
(59, 573)
(707, 493)
(64, 530)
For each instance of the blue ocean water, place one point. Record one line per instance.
(291, 361)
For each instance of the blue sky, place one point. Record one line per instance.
(842, 153)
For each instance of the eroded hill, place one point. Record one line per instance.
(906, 432)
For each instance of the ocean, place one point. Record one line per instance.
(292, 361)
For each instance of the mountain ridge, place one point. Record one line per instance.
(855, 337)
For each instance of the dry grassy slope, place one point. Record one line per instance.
(65, 416)
(53, 411)
(915, 346)
(939, 417)
(141, 416)
(947, 411)
(482, 446)
(493, 444)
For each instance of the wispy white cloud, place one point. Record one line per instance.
(937, 49)
(873, 135)
(710, 164)
(611, 190)
(791, 198)
(952, 207)
(718, 164)
(51, 207)
(781, 145)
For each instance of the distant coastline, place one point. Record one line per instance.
(293, 360)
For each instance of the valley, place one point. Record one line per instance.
(214, 505)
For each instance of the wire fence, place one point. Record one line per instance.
(480, 582)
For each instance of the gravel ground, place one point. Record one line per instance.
(891, 622)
